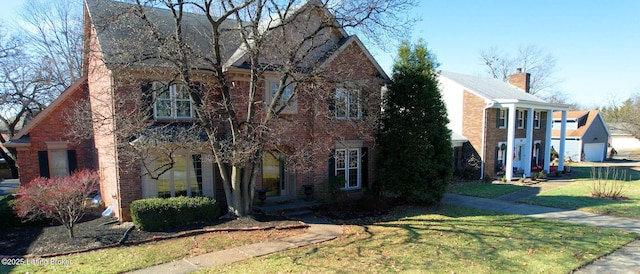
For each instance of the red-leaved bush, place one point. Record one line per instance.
(59, 198)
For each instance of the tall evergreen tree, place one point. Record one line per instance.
(415, 160)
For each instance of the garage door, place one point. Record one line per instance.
(594, 152)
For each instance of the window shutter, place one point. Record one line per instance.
(526, 118)
(332, 103)
(43, 163)
(72, 161)
(332, 164)
(197, 91)
(495, 160)
(498, 118)
(147, 96)
(364, 167)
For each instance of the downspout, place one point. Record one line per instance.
(484, 133)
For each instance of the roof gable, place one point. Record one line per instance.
(76, 86)
(591, 116)
(316, 26)
(356, 41)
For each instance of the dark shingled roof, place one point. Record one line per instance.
(122, 33)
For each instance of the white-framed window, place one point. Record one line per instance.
(286, 93)
(271, 89)
(521, 118)
(58, 163)
(347, 166)
(502, 118)
(347, 104)
(171, 101)
(536, 119)
(183, 179)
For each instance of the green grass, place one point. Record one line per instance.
(577, 196)
(483, 190)
(449, 240)
(122, 259)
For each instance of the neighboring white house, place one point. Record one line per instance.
(624, 144)
(587, 136)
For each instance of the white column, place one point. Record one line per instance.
(511, 132)
(528, 145)
(563, 135)
(547, 140)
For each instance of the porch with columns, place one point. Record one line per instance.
(529, 142)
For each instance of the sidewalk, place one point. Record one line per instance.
(319, 231)
(623, 260)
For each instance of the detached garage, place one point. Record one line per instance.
(587, 136)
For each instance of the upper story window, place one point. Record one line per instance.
(347, 104)
(536, 119)
(502, 118)
(273, 86)
(286, 93)
(521, 118)
(172, 101)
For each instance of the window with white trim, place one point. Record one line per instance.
(536, 119)
(58, 163)
(502, 118)
(347, 166)
(521, 118)
(347, 104)
(183, 179)
(171, 101)
(286, 92)
(272, 86)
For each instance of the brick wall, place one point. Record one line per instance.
(53, 128)
(472, 130)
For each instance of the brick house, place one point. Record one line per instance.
(500, 119)
(349, 154)
(43, 148)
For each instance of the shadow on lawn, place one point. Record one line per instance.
(584, 172)
(474, 235)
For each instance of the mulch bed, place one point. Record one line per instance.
(97, 232)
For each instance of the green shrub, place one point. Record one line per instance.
(158, 213)
(7, 214)
(10, 218)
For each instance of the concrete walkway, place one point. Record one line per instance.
(319, 231)
(623, 260)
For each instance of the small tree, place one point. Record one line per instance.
(415, 161)
(60, 198)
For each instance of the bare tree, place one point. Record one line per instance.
(23, 90)
(282, 39)
(52, 30)
(624, 115)
(532, 59)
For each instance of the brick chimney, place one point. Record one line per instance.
(520, 80)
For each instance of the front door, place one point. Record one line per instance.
(273, 173)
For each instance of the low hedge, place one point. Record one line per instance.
(159, 213)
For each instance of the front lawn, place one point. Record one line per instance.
(483, 190)
(448, 240)
(577, 196)
(127, 258)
